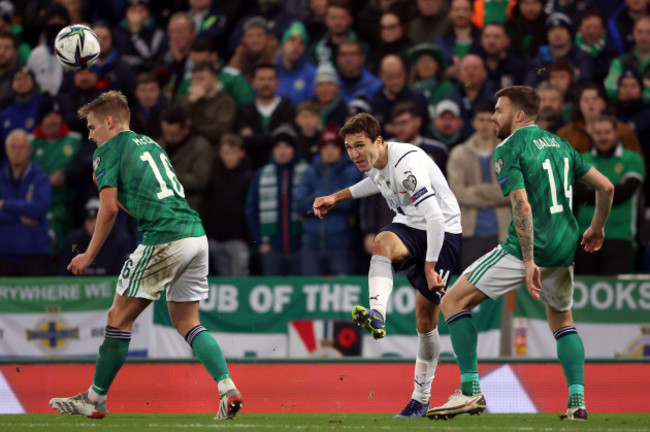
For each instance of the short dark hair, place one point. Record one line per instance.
(608, 119)
(523, 98)
(202, 44)
(362, 122)
(483, 106)
(232, 140)
(341, 4)
(594, 13)
(146, 78)
(204, 65)
(502, 26)
(265, 66)
(6, 34)
(174, 115)
(559, 66)
(406, 107)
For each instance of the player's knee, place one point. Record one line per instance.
(425, 324)
(447, 305)
(382, 246)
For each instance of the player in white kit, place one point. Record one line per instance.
(424, 238)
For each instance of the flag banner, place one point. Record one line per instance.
(611, 314)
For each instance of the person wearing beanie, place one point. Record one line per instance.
(329, 247)
(333, 108)
(560, 33)
(55, 147)
(22, 113)
(295, 75)
(272, 214)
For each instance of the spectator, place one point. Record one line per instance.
(227, 231)
(338, 20)
(110, 259)
(333, 108)
(55, 146)
(476, 88)
(295, 75)
(591, 104)
(268, 111)
(212, 112)
(21, 114)
(592, 39)
(369, 17)
(526, 28)
(551, 106)
(427, 75)
(621, 25)
(560, 47)
(257, 47)
(23, 49)
(24, 199)
(632, 112)
(430, 21)
(492, 12)
(48, 72)
(9, 65)
(459, 35)
(407, 122)
(393, 76)
(229, 79)
(113, 73)
(190, 154)
(503, 68)
(148, 107)
(83, 91)
(573, 9)
(315, 23)
(560, 75)
(137, 38)
(271, 209)
(356, 81)
(308, 125)
(328, 246)
(393, 40)
(637, 59)
(447, 126)
(208, 23)
(624, 168)
(485, 212)
(174, 65)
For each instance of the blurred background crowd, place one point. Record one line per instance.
(247, 98)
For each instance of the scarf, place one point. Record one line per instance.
(269, 193)
(593, 50)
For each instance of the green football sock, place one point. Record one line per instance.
(464, 339)
(111, 357)
(571, 353)
(208, 351)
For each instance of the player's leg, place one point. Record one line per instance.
(110, 359)
(557, 292)
(388, 248)
(183, 298)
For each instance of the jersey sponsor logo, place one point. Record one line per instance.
(96, 163)
(498, 165)
(503, 180)
(419, 194)
(410, 182)
(100, 175)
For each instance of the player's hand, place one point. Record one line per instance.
(533, 279)
(322, 205)
(434, 281)
(80, 263)
(593, 239)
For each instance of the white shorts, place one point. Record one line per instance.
(497, 273)
(180, 267)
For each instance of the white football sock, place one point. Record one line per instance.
(380, 283)
(425, 365)
(225, 385)
(95, 397)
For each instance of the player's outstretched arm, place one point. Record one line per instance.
(323, 204)
(593, 237)
(522, 218)
(106, 215)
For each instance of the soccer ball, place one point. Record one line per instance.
(76, 47)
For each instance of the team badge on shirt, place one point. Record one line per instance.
(96, 162)
(498, 165)
(410, 182)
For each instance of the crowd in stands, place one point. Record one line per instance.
(247, 98)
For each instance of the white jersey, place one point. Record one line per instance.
(409, 178)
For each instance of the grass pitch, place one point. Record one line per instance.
(319, 422)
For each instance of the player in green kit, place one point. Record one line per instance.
(134, 172)
(536, 169)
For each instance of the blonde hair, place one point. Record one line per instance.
(112, 103)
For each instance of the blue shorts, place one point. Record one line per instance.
(416, 242)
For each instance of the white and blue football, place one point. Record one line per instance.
(76, 47)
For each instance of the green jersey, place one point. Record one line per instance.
(546, 166)
(147, 187)
(621, 223)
